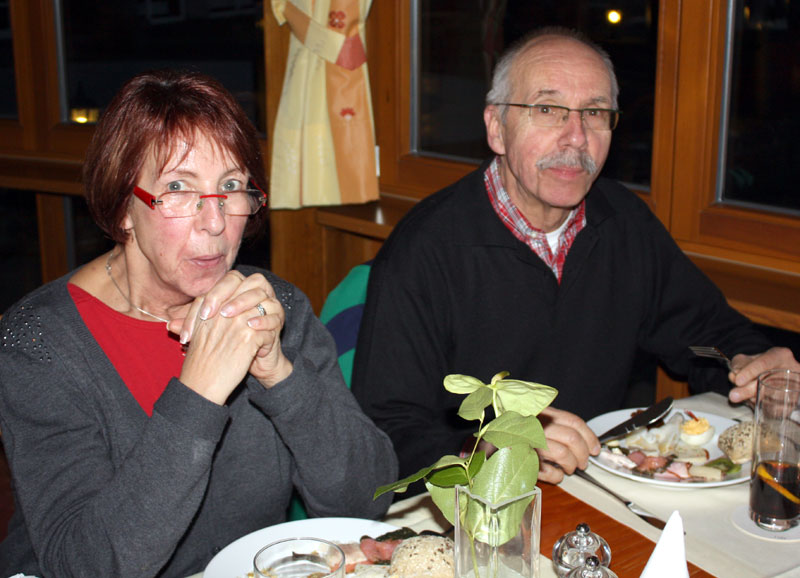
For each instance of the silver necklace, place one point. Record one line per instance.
(114, 281)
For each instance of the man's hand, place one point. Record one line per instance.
(747, 368)
(570, 442)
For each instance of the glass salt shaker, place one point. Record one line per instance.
(573, 548)
(591, 568)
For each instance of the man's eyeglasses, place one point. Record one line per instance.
(551, 115)
(178, 204)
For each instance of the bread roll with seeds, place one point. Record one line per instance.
(737, 442)
(424, 557)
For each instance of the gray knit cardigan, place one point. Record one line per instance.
(101, 489)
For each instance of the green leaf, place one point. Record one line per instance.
(446, 461)
(449, 477)
(444, 497)
(459, 473)
(524, 397)
(445, 500)
(509, 473)
(401, 486)
(512, 428)
(461, 384)
(492, 524)
(473, 405)
(476, 464)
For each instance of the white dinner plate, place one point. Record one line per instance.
(236, 559)
(603, 423)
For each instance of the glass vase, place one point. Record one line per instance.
(497, 540)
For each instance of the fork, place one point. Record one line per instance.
(712, 352)
(715, 353)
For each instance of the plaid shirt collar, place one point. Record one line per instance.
(519, 226)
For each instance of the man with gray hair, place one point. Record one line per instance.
(535, 265)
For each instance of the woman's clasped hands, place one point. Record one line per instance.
(232, 330)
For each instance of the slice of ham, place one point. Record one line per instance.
(666, 476)
(374, 551)
(652, 463)
(378, 551)
(368, 551)
(680, 469)
(353, 555)
(637, 457)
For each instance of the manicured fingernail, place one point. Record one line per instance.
(226, 311)
(252, 323)
(596, 449)
(205, 312)
(184, 337)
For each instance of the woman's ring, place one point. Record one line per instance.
(261, 310)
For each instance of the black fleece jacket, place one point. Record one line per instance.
(453, 291)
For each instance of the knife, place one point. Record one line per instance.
(632, 506)
(648, 416)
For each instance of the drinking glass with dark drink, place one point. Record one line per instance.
(775, 481)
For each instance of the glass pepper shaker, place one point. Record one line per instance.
(573, 548)
(591, 568)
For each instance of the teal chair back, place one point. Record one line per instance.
(342, 314)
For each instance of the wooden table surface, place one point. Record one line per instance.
(562, 512)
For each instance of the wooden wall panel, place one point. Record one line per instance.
(296, 251)
(341, 251)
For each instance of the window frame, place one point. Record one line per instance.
(701, 223)
(752, 255)
(38, 132)
(17, 134)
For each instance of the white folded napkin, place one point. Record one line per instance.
(668, 559)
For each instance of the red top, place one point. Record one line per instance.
(144, 353)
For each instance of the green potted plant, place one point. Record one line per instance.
(493, 503)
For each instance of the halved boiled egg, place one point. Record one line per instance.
(697, 431)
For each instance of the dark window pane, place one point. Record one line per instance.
(106, 43)
(20, 260)
(85, 239)
(20, 266)
(8, 87)
(459, 41)
(762, 152)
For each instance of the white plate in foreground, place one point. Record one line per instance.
(236, 559)
(603, 423)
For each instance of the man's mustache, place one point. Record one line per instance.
(568, 158)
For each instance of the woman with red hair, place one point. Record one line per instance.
(162, 401)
